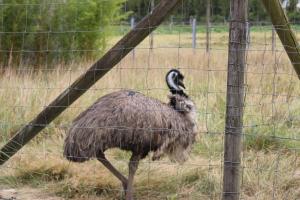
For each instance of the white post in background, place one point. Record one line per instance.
(273, 39)
(152, 34)
(132, 22)
(248, 35)
(171, 22)
(132, 25)
(208, 7)
(194, 33)
(248, 39)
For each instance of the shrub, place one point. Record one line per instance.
(40, 32)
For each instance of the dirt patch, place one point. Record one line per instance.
(26, 194)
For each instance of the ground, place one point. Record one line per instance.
(26, 193)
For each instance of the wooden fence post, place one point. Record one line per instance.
(89, 78)
(234, 102)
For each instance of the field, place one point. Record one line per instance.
(271, 135)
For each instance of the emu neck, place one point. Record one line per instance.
(189, 115)
(173, 102)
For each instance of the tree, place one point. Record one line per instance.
(257, 12)
(39, 32)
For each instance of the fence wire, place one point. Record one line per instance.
(270, 167)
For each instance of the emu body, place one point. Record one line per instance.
(130, 121)
(134, 122)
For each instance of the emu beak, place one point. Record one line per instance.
(180, 83)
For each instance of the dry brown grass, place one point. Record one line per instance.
(270, 164)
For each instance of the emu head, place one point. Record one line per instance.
(179, 100)
(174, 80)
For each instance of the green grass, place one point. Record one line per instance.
(167, 29)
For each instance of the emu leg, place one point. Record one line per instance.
(133, 165)
(113, 170)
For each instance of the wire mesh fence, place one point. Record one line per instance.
(270, 166)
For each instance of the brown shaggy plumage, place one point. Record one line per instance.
(132, 121)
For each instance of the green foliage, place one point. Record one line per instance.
(293, 14)
(39, 32)
(257, 12)
(219, 10)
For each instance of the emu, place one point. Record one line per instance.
(134, 122)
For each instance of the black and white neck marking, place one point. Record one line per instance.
(174, 81)
(171, 76)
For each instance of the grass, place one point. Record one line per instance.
(168, 29)
(270, 156)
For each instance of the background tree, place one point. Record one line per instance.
(39, 32)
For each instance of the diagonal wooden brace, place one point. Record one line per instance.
(284, 31)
